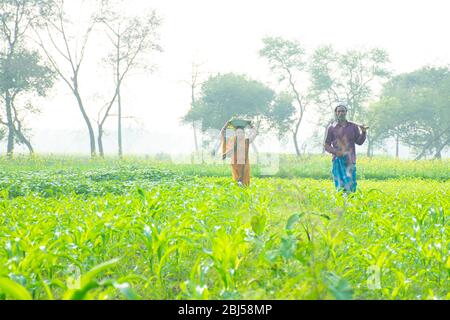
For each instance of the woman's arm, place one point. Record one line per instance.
(220, 138)
(253, 133)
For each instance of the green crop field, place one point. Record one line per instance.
(73, 228)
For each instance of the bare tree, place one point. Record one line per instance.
(288, 59)
(66, 56)
(132, 39)
(193, 84)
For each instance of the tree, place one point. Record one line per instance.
(2, 134)
(131, 38)
(16, 19)
(346, 77)
(227, 95)
(288, 60)
(281, 115)
(66, 56)
(386, 118)
(418, 104)
(23, 75)
(193, 84)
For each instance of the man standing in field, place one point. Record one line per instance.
(340, 140)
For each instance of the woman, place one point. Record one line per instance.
(236, 147)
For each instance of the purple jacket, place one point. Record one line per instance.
(344, 138)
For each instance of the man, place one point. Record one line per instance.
(340, 140)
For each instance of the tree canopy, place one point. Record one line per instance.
(415, 106)
(226, 95)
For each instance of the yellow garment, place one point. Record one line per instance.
(240, 164)
(241, 172)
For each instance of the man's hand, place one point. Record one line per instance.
(339, 153)
(363, 128)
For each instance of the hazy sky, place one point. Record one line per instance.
(226, 36)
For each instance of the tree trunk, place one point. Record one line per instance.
(119, 130)
(369, 147)
(195, 136)
(25, 141)
(297, 150)
(297, 126)
(8, 98)
(300, 105)
(18, 131)
(119, 101)
(436, 142)
(99, 141)
(11, 129)
(441, 147)
(192, 105)
(397, 145)
(424, 151)
(88, 122)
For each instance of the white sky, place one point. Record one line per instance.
(226, 37)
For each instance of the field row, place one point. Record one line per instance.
(156, 234)
(263, 165)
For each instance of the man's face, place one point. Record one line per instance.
(341, 113)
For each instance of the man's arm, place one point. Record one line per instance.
(360, 137)
(328, 140)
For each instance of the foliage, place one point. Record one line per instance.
(415, 107)
(281, 114)
(287, 60)
(346, 77)
(226, 95)
(80, 229)
(25, 73)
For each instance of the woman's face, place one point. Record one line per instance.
(240, 133)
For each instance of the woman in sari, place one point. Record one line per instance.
(236, 146)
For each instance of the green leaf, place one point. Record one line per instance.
(46, 288)
(87, 282)
(339, 287)
(292, 220)
(272, 255)
(258, 223)
(97, 269)
(288, 246)
(141, 193)
(14, 289)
